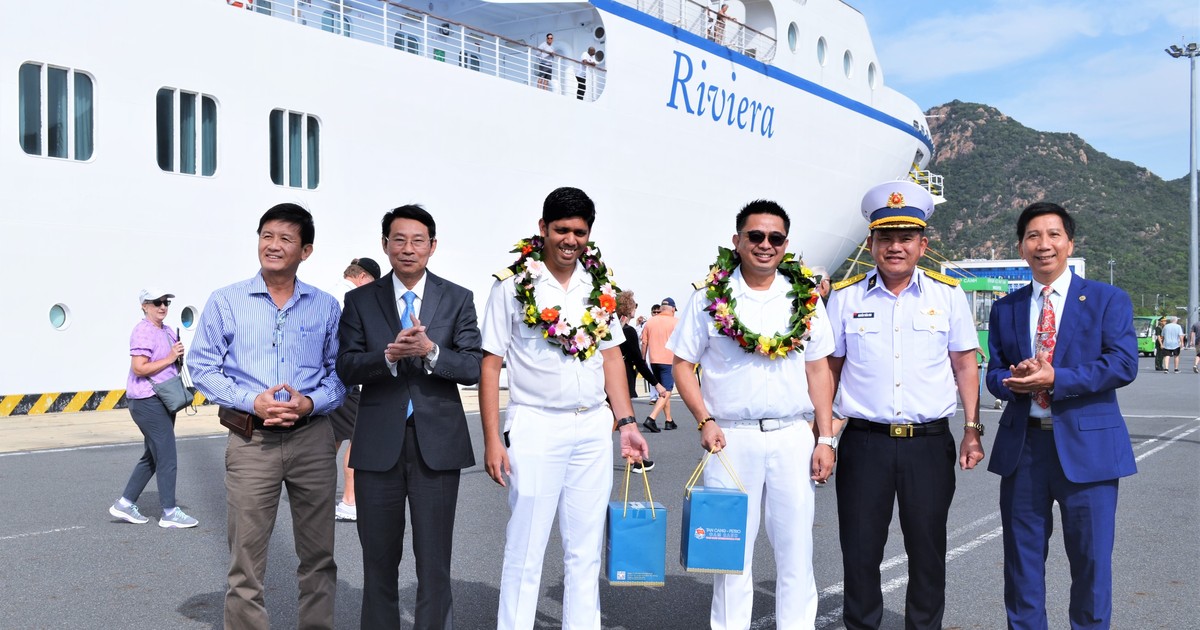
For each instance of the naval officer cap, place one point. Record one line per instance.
(897, 205)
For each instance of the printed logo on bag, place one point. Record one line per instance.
(719, 533)
(620, 575)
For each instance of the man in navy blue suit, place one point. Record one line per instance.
(1060, 349)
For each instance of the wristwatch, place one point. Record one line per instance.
(978, 426)
(626, 420)
(831, 442)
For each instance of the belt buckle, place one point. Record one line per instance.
(579, 410)
(1047, 424)
(769, 424)
(900, 430)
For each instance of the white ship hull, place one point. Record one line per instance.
(478, 151)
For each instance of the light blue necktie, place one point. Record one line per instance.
(407, 322)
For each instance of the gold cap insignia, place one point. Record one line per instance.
(895, 200)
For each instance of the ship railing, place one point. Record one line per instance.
(702, 20)
(411, 30)
(931, 181)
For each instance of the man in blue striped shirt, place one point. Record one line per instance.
(267, 347)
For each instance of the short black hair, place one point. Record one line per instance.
(763, 206)
(293, 214)
(1044, 207)
(410, 211)
(567, 202)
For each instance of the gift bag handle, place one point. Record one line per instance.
(695, 478)
(649, 497)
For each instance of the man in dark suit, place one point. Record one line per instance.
(1060, 349)
(409, 339)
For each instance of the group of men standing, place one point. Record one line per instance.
(897, 345)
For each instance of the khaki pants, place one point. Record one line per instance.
(255, 468)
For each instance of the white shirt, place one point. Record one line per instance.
(539, 373)
(740, 385)
(340, 290)
(897, 348)
(1058, 298)
(585, 62)
(547, 50)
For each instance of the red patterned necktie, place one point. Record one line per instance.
(1046, 332)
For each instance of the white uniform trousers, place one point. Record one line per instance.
(561, 460)
(775, 467)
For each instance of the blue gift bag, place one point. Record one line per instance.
(713, 539)
(635, 542)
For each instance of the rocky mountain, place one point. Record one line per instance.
(994, 166)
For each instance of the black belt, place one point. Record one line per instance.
(302, 422)
(1044, 424)
(935, 427)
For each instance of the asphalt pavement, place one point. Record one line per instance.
(68, 564)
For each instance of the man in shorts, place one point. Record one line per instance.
(654, 340)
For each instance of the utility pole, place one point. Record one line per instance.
(1111, 264)
(1191, 51)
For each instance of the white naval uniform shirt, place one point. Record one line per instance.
(897, 367)
(539, 373)
(1059, 299)
(740, 385)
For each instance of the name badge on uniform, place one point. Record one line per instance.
(869, 315)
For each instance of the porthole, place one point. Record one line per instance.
(599, 56)
(187, 316)
(872, 75)
(848, 64)
(793, 33)
(821, 49)
(60, 316)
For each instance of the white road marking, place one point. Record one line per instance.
(49, 531)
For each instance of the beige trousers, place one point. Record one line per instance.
(256, 468)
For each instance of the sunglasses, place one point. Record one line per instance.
(160, 302)
(776, 239)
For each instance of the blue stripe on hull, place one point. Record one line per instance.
(633, 15)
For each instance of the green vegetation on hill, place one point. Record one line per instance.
(994, 167)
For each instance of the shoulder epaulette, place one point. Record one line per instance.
(943, 278)
(837, 286)
(503, 274)
(700, 284)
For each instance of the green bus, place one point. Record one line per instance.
(1144, 327)
(981, 294)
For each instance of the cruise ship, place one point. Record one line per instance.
(140, 142)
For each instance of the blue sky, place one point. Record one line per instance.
(1095, 68)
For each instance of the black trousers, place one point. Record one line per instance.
(582, 83)
(432, 497)
(874, 471)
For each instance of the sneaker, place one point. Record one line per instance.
(345, 512)
(1195, 370)
(651, 425)
(643, 466)
(1176, 370)
(670, 425)
(128, 514)
(177, 519)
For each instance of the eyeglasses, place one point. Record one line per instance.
(777, 239)
(159, 302)
(280, 318)
(400, 243)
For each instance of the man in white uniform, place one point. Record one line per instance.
(563, 351)
(765, 378)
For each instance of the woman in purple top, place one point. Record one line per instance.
(154, 351)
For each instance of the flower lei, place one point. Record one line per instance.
(576, 341)
(721, 305)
